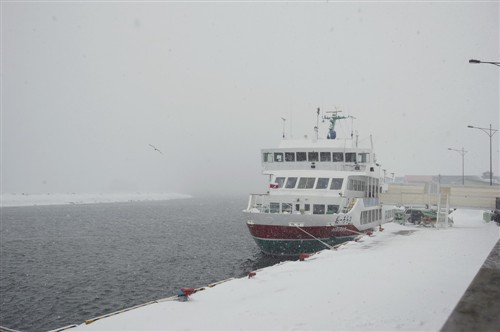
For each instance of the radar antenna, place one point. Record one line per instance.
(333, 118)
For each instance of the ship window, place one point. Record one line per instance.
(357, 185)
(286, 208)
(363, 157)
(290, 183)
(325, 156)
(318, 209)
(331, 209)
(350, 157)
(280, 181)
(301, 156)
(289, 156)
(364, 217)
(274, 207)
(338, 156)
(312, 156)
(322, 183)
(336, 184)
(278, 156)
(306, 183)
(297, 207)
(268, 157)
(307, 207)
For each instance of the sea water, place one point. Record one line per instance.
(64, 264)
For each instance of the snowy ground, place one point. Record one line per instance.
(8, 200)
(404, 278)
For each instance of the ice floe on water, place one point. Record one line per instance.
(28, 199)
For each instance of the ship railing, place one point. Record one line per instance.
(264, 203)
(258, 202)
(318, 165)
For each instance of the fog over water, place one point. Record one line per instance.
(86, 87)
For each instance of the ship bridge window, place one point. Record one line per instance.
(313, 156)
(290, 183)
(337, 157)
(306, 183)
(356, 185)
(289, 156)
(318, 209)
(336, 184)
(279, 181)
(268, 157)
(331, 209)
(322, 183)
(325, 156)
(278, 157)
(350, 157)
(363, 157)
(301, 156)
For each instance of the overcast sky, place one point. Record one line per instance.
(86, 87)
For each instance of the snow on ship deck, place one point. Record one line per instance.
(404, 278)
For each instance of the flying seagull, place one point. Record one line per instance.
(155, 148)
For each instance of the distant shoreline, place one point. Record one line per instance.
(29, 199)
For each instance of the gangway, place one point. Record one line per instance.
(443, 207)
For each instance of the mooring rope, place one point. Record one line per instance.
(303, 230)
(345, 229)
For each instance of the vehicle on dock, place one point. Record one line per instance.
(420, 215)
(495, 216)
(322, 192)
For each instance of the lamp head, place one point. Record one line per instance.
(474, 61)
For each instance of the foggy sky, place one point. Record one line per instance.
(86, 87)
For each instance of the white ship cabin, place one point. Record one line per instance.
(319, 155)
(317, 177)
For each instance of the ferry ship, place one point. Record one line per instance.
(322, 192)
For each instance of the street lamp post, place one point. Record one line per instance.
(462, 153)
(479, 61)
(490, 132)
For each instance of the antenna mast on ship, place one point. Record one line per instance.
(333, 118)
(284, 120)
(316, 129)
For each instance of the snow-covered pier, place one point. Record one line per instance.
(401, 278)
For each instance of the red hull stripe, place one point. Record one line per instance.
(294, 233)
